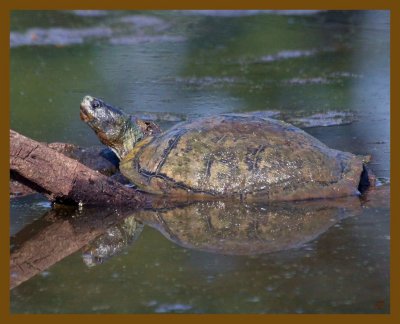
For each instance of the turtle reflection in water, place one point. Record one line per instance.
(231, 155)
(237, 228)
(113, 242)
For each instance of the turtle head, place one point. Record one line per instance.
(113, 127)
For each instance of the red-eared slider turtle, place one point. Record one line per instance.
(226, 155)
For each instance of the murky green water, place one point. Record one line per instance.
(202, 63)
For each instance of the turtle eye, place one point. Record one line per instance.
(95, 104)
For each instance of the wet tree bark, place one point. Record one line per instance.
(63, 179)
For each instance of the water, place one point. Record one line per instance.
(194, 64)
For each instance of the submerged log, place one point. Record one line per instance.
(64, 179)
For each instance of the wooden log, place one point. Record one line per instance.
(98, 158)
(64, 179)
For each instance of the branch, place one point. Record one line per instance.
(65, 179)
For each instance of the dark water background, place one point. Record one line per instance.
(202, 63)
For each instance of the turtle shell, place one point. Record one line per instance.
(241, 155)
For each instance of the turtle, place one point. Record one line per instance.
(234, 155)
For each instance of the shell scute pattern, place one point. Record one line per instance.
(236, 155)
